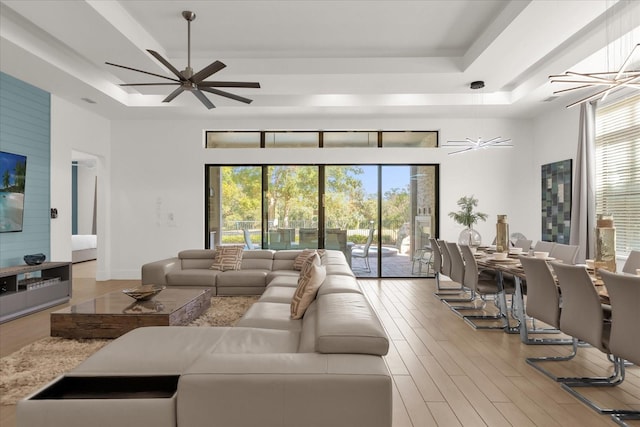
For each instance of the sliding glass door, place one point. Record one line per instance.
(380, 217)
(291, 207)
(351, 214)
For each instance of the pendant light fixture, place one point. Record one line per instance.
(622, 57)
(479, 143)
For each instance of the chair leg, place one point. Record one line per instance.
(621, 418)
(533, 360)
(616, 378)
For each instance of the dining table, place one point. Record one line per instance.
(512, 266)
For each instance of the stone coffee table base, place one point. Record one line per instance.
(115, 314)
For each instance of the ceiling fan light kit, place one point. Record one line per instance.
(186, 80)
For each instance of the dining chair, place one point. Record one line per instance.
(437, 261)
(362, 251)
(624, 342)
(442, 266)
(566, 253)
(632, 263)
(543, 246)
(453, 258)
(249, 245)
(543, 303)
(483, 285)
(523, 244)
(582, 317)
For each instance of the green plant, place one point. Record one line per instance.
(466, 216)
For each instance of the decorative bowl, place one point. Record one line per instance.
(500, 255)
(144, 292)
(35, 259)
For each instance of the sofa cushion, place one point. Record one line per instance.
(342, 269)
(289, 280)
(311, 278)
(339, 283)
(237, 278)
(153, 350)
(270, 315)
(346, 323)
(281, 294)
(196, 258)
(193, 277)
(227, 258)
(283, 260)
(257, 340)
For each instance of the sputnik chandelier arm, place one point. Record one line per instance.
(479, 143)
(610, 80)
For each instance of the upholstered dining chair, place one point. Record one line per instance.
(624, 342)
(483, 285)
(439, 261)
(543, 303)
(543, 246)
(582, 317)
(632, 263)
(523, 244)
(565, 253)
(453, 257)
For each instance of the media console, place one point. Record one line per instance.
(25, 289)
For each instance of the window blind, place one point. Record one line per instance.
(618, 169)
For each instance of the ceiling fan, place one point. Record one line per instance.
(187, 80)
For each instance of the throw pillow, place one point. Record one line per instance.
(311, 278)
(300, 259)
(227, 258)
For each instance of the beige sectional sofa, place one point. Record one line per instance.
(324, 370)
(259, 267)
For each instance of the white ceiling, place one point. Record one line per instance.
(347, 58)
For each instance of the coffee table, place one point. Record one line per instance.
(114, 314)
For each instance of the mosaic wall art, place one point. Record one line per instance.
(556, 201)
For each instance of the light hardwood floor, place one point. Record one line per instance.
(445, 373)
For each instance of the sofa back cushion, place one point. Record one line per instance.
(346, 323)
(257, 260)
(284, 260)
(196, 258)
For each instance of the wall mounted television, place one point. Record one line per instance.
(13, 170)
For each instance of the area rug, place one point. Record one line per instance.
(31, 367)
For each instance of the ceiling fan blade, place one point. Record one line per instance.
(173, 94)
(141, 71)
(166, 64)
(150, 84)
(227, 95)
(210, 69)
(255, 85)
(201, 96)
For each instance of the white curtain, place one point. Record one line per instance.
(583, 202)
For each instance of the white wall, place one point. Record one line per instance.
(74, 128)
(158, 173)
(150, 171)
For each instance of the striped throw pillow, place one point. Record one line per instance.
(227, 258)
(311, 278)
(300, 259)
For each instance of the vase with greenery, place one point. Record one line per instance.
(468, 217)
